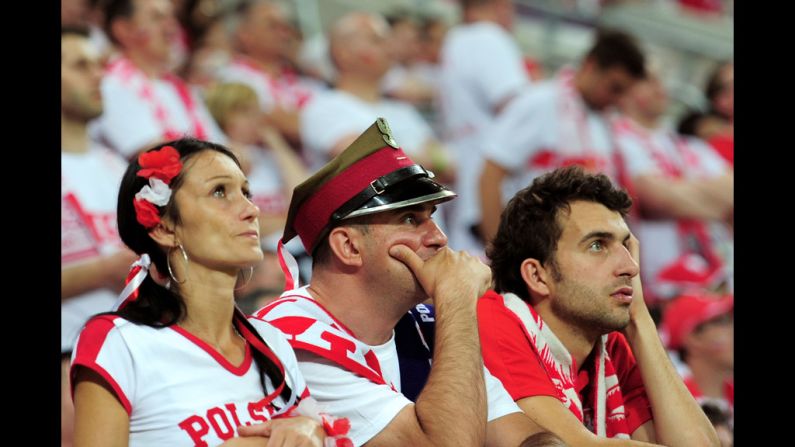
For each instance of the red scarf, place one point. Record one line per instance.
(609, 419)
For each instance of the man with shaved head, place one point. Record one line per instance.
(361, 54)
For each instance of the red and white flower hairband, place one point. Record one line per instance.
(160, 167)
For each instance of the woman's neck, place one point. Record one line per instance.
(209, 303)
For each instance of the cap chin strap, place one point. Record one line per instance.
(289, 267)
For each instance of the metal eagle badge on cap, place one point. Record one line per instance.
(386, 132)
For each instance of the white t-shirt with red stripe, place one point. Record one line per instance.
(663, 152)
(138, 110)
(547, 127)
(178, 390)
(369, 406)
(89, 189)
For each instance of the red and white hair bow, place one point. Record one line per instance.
(138, 272)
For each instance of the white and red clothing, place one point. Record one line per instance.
(663, 152)
(139, 110)
(335, 114)
(89, 189)
(289, 91)
(481, 67)
(351, 378)
(177, 389)
(530, 360)
(547, 127)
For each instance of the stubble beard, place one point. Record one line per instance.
(588, 309)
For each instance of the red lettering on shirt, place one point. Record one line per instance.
(217, 416)
(197, 428)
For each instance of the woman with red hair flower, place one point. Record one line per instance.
(177, 363)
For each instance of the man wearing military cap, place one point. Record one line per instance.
(366, 219)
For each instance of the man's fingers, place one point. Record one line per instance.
(263, 429)
(407, 256)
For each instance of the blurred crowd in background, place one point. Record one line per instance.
(487, 94)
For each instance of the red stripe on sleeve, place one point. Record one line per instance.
(92, 338)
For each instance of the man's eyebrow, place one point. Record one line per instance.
(606, 235)
(598, 234)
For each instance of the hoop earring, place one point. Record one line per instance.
(168, 264)
(250, 275)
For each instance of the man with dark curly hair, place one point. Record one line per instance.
(567, 330)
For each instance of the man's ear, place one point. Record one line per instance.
(164, 235)
(345, 243)
(536, 277)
